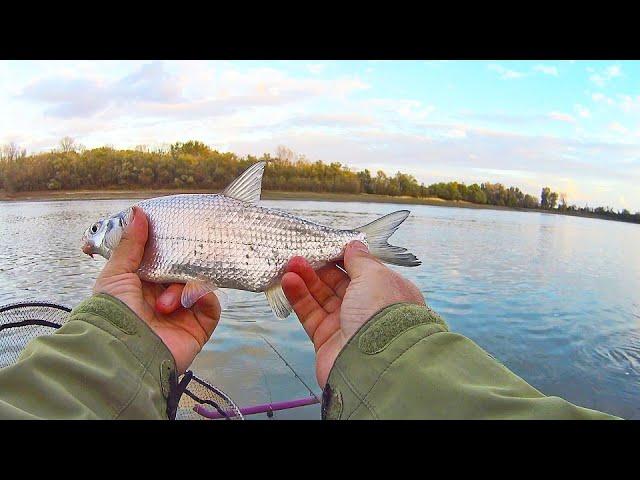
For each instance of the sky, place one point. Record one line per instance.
(571, 125)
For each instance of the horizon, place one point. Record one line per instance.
(571, 125)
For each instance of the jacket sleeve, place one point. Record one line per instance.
(405, 364)
(104, 363)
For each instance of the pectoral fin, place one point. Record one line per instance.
(278, 301)
(194, 291)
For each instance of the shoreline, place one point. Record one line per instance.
(69, 195)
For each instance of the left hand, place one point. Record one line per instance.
(183, 331)
(332, 305)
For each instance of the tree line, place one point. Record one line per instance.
(194, 165)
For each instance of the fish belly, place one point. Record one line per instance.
(231, 243)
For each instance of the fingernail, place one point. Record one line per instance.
(357, 245)
(129, 225)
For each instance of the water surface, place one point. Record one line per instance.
(554, 298)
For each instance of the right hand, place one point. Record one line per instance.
(332, 305)
(184, 331)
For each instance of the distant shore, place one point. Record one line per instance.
(266, 195)
(47, 195)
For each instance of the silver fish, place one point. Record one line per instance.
(210, 241)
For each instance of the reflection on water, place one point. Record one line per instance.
(554, 298)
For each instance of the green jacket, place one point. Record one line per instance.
(403, 363)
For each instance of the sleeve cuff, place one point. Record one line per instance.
(368, 354)
(116, 318)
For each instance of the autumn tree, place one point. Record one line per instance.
(563, 201)
(10, 155)
(194, 165)
(285, 154)
(67, 145)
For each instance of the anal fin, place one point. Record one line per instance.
(194, 290)
(278, 301)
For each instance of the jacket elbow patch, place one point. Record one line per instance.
(394, 321)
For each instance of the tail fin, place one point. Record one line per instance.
(379, 231)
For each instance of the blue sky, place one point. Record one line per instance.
(574, 126)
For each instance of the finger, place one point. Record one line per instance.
(326, 330)
(358, 261)
(335, 278)
(321, 292)
(126, 257)
(151, 291)
(169, 300)
(309, 312)
(207, 310)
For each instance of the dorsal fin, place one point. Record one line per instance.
(248, 186)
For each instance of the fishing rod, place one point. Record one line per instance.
(267, 408)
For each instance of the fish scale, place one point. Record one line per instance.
(232, 243)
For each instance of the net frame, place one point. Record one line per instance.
(21, 322)
(198, 396)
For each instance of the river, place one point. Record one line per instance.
(555, 298)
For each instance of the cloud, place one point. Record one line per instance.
(626, 103)
(505, 73)
(413, 111)
(151, 83)
(152, 90)
(439, 148)
(506, 118)
(629, 103)
(546, 69)
(562, 117)
(603, 77)
(582, 111)
(332, 120)
(602, 98)
(618, 128)
(70, 97)
(316, 68)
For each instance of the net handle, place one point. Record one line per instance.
(267, 408)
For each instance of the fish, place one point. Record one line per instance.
(227, 240)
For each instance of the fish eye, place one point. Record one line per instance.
(94, 227)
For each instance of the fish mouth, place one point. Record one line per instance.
(86, 248)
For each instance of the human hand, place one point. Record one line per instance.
(183, 331)
(332, 305)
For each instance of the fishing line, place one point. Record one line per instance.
(291, 368)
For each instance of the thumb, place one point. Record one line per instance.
(126, 257)
(358, 260)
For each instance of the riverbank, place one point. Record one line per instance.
(266, 195)
(275, 195)
(45, 196)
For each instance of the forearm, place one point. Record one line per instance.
(405, 364)
(104, 363)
